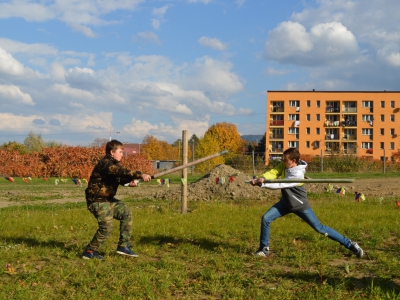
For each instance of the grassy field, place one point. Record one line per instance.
(206, 254)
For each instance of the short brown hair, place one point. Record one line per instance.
(292, 153)
(113, 145)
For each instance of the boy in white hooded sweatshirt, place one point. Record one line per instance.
(294, 200)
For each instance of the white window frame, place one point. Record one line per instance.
(367, 131)
(368, 104)
(367, 145)
(367, 118)
(294, 103)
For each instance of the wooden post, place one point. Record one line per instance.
(184, 172)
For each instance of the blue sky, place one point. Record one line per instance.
(75, 71)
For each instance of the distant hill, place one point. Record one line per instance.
(252, 137)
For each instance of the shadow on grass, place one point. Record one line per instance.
(367, 284)
(31, 242)
(202, 242)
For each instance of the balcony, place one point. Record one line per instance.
(276, 150)
(349, 123)
(350, 151)
(351, 110)
(333, 110)
(277, 109)
(331, 137)
(277, 123)
(349, 137)
(329, 123)
(276, 136)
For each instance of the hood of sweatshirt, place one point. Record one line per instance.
(296, 172)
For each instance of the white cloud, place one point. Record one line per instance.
(147, 37)
(160, 11)
(213, 43)
(68, 92)
(12, 93)
(77, 14)
(9, 65)
(83, 29)
(32, 49)
(390, 55)
(200, 1)
(85, 79)
(325, 44)
(213, 77)
(275, 72)
(155, 23)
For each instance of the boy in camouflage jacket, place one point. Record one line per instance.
(107, 175)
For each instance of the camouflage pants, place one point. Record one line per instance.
(105, 212)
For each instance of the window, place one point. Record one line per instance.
(307, 144)
(391, 146)
(367, 118)
(316, 144)
(392, 131)
(317, 130)
(382, 118)
(293, 144)
(367, 145)
(294, 117)
(392, 104)
(367, 131)
(308, 117)
(318, 117)
(294, 103)
(318, 103)
(382, 145)
(392, 118)
(293, 130)
(382, 131)
(308, 103)
(367, 104)
(383, 104)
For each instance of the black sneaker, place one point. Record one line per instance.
(126, 251)
(356, 249)
(262, 252)
(89, 254)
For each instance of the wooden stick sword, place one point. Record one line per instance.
(203, 159)
(333, 180)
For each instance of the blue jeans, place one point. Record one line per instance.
(279, 210)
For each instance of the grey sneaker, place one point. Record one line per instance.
(356, 249)
(262, 252)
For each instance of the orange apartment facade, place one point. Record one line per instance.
(365, 124)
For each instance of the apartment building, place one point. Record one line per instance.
(329, 123)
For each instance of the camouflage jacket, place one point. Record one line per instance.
(107, 175)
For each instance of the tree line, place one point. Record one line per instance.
(36, 157)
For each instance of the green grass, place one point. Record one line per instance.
(206, 254)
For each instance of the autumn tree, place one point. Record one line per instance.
(98, 142)
(206, 146)
(14, 146)
(154, 149)
(227, 137)
(34, 143)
